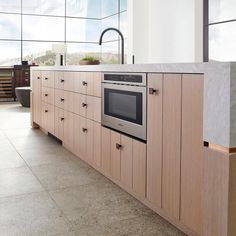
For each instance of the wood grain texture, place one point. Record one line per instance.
(89, 141)
(97, 82)
(192, 151)
(106, 151)
(69, 101)
(139, 168)
(68, 138)
(115, 155)
(171, 144)
(59, 124)
(69, 81)
(127, 161)
(59, 94)
(97, 142)
(154, 140)
(48, 78)
(59, 76)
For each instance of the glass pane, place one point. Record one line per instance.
(220, 10)
(222, 38)
(43, 28)
(10, 26)
(110, 7)
(13, 6)
(110, 53)
(84, 8)
(123, 5)
(10, 53)
(83, 30)
(76, 51)
(44, 7)
(111, 21)
(123, 23)
(39, 52)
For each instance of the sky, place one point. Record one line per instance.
(52, 28)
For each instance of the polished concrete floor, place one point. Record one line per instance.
(45, 190)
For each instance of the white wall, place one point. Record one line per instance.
(162, 31)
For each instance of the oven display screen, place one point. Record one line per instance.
(125, 105)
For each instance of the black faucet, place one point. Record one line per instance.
(122, 42)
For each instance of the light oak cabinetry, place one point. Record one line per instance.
(154, 139)
(124, 159)
(174, 157)
(166, 172)
(36, 81)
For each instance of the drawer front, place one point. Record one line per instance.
(59, 98)
(48, 79)
(69, 81)
(59, 80)
(94, 108)
(69, 101)
(48, 95)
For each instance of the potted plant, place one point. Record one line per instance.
(89, 61)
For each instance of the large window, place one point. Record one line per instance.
(29, 28)
(220, 30)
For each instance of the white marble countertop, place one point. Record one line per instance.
(219, 92)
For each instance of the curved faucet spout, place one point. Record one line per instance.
(122, 42)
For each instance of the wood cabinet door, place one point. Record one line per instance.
(171, 144)
(59, 80)
(59, 123)
(97, 141)
(90, 107)
(83, 105)
(83, 83)
(106, 151)
(48, 79)
(48, 95)
(97, 82)
(154, 139)
(68, 139)
(115, 147)
(44, 115)
(126, 161)
(77, 82)
(89, 141)
(76, 103)
(69, 101)
(93, 108)
(59, 98)
(139, 168)
(36, 95)
(69, 81)
(192, 152)
(51, 124)
(82, 141)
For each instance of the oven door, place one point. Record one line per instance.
(124, 109)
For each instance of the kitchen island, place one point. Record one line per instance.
(185, 169)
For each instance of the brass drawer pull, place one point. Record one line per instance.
(118, 146)
(153, 91)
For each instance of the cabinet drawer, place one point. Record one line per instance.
(48, 117)
(59, 80)
(59, 98)
(48, 95)
(48, 79)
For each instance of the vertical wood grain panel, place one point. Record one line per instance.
(68, 139)
(69, 81)
(127, 161)
(139, 168)
(192, 151)
(89, 141)
(97, 79)
(106, 150)
(69, 101)
(171, 144)
(59, 124)
(97, 141)
(154, 140)
(115, 156)
(36, 96)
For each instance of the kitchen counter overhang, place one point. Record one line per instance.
(219, 116)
